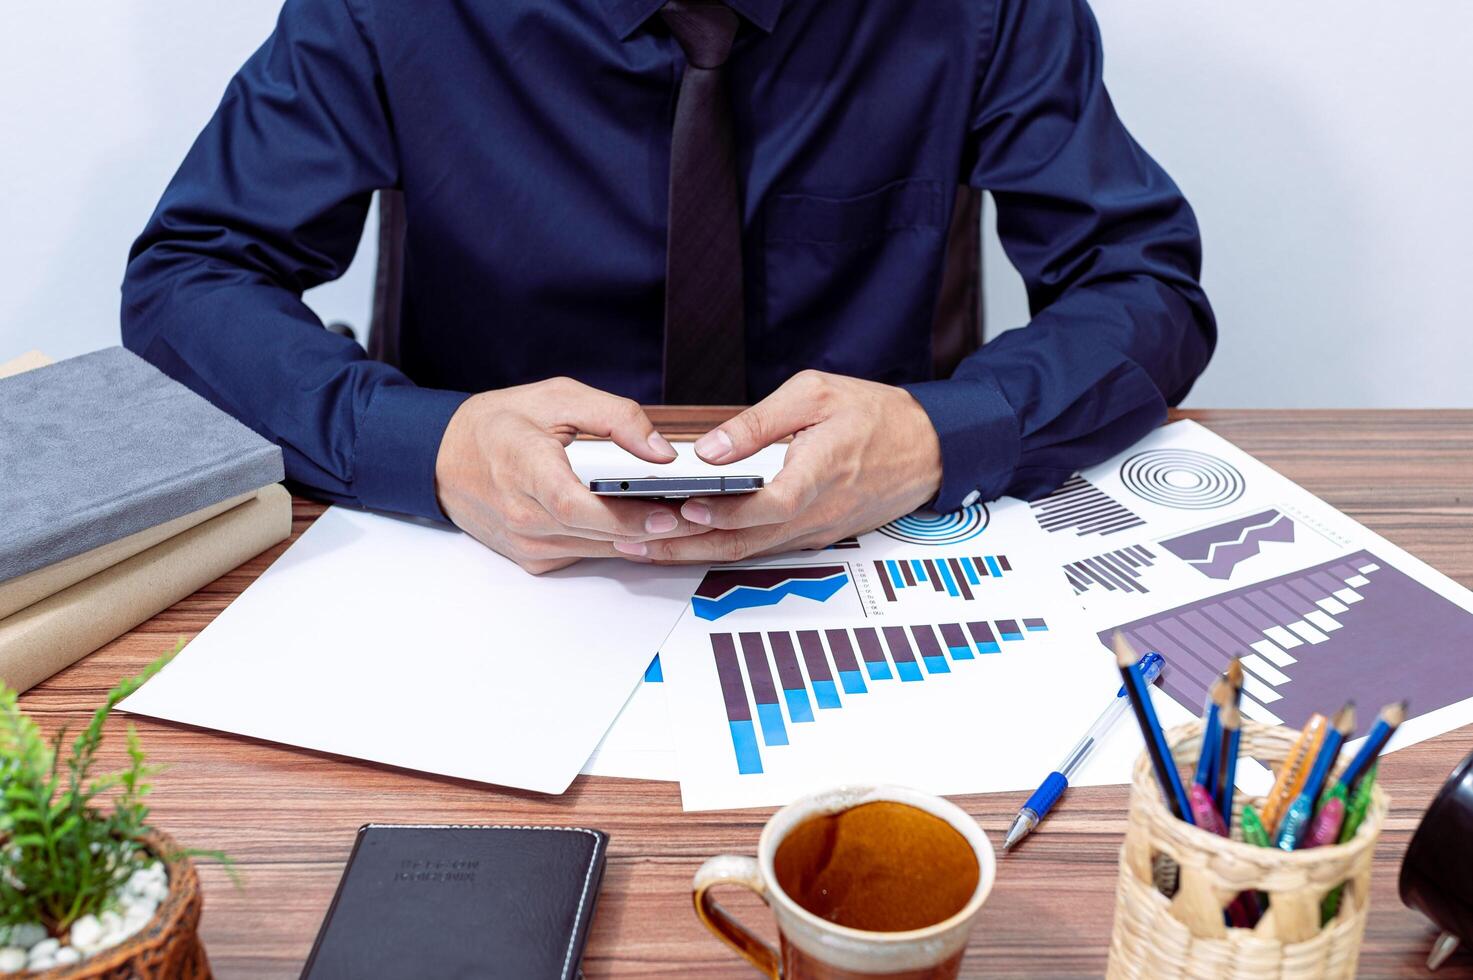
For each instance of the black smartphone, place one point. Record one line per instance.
(675, 486)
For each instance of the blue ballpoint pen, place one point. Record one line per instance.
(1049, 791)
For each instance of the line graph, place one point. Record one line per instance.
(725, 590)
(1215, 551)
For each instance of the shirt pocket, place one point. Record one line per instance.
(850, 282)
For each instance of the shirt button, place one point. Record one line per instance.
(971, 498)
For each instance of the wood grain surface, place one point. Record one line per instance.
(288, 816)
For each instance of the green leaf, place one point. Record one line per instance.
(47, 813)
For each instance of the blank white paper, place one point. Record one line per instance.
(415, 646)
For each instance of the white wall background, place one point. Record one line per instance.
(98, 104)
(1327, 147)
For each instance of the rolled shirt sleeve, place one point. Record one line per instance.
(270, 201)
(1109, 251)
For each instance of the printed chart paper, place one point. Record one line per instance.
(1184, 543)
(1190, 546)
(415, 646)
(906, 657)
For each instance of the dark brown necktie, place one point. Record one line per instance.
(705, 336)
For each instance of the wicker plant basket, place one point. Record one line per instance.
(1157, 937)
(168, 948)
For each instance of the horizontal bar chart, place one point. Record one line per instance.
(1120, 571)
(1083, 508)
(775, 683)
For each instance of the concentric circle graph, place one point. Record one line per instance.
(1182, 478)
(926, 528)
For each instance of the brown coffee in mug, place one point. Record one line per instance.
(881, 867)
(864, 882)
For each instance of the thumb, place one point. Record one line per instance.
(774, 418)
(622, 420)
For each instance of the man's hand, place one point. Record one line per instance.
(863, 454)
(502, 475)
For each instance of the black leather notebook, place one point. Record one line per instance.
(461, 902)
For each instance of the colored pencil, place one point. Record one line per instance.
(1231, 723)
(1211, 734)
(1145, 715)
(1253, 831)
(1325, 828)
(1295, 823)
(1204, 811)
(1360, 802)
(1387, 721)
(1293, 772)
(1355, 814)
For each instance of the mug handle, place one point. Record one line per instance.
(731, 869)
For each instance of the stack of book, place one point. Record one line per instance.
(121, 492)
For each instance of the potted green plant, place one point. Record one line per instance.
(88, 888)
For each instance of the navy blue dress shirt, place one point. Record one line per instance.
(531, 139)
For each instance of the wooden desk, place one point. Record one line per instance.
(288, 816)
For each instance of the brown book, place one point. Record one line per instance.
(30, 588)
(57, 631)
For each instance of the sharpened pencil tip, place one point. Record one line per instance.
(1235, 673)
(1124, 655)
(1344, 720)
(1394, 714)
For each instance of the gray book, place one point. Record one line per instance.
(102, 446)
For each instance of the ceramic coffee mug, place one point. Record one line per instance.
(920, 937)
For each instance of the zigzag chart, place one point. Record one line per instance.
(725, 590)
(1215, 551)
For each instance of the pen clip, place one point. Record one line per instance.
(1149, 667)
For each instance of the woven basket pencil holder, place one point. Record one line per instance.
(1186, 935)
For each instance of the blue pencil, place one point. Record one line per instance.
(1386, 724)
(1227, 766)
(1211, 734)
(1145, 716)
(1231, 733)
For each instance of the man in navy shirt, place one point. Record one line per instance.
(614, 202)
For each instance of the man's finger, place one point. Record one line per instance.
(790, 493)
(558, 547)
(717, 547)
(574, 509)
(622, 420)
(796, 405)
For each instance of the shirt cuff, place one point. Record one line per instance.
(398, 441)
(979, 438)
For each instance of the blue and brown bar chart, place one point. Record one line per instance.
(957, 577)
(775, 682)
